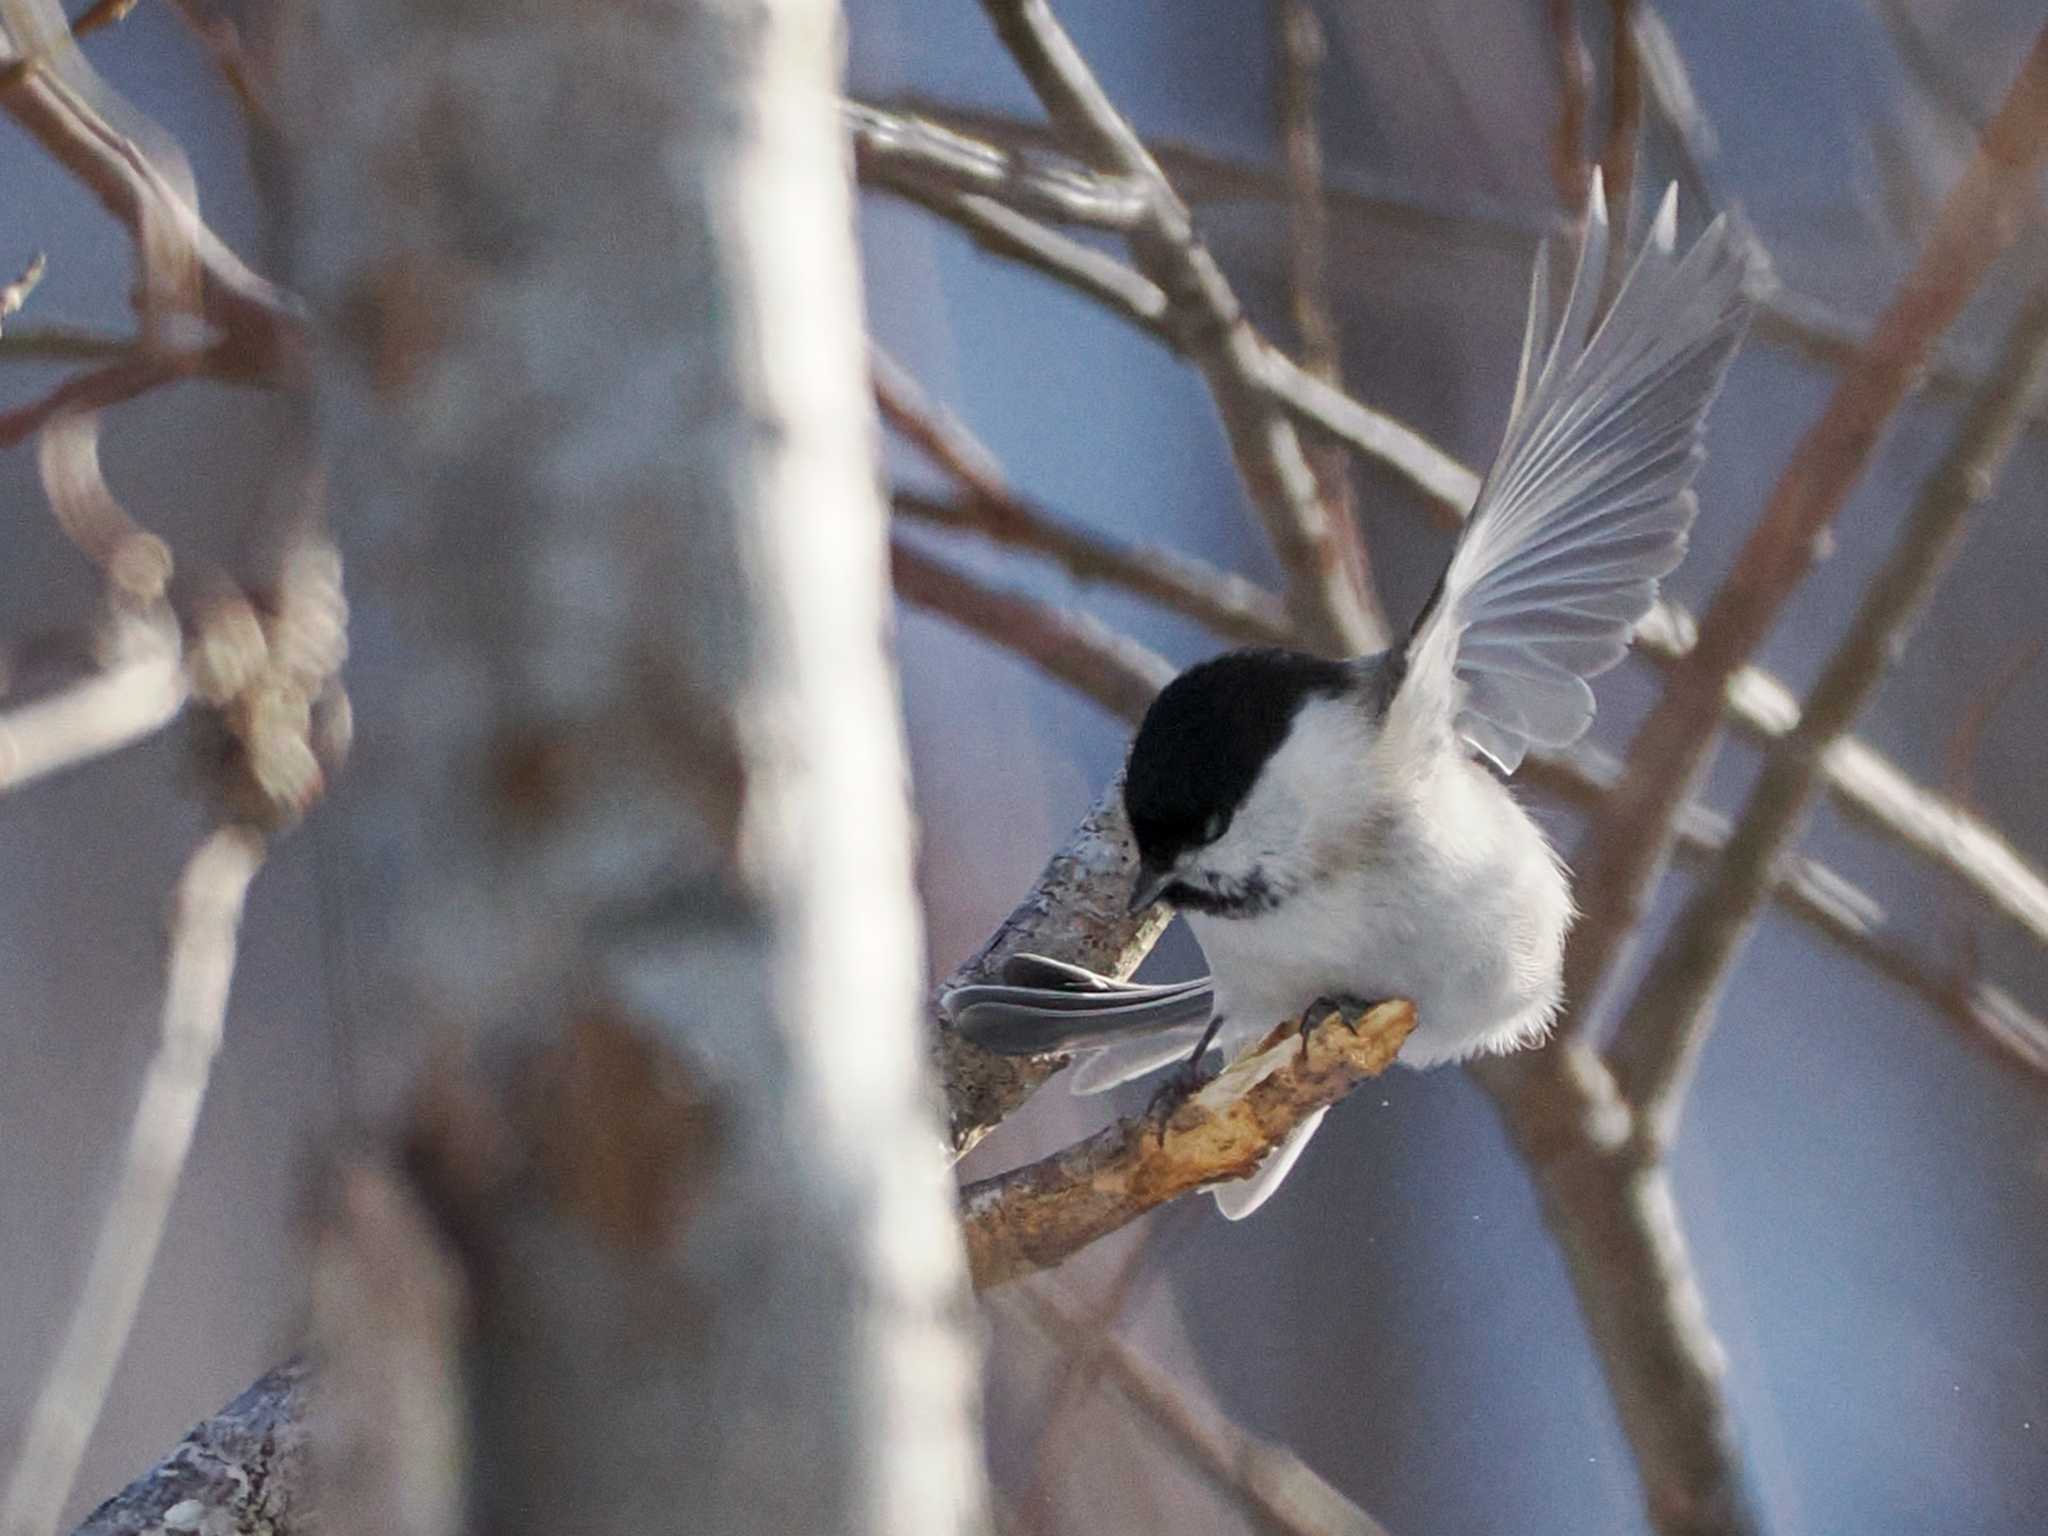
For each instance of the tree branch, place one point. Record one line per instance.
(1298, 69)
(1608, 1203)
(1035, 1216)
(1632, 839)
(202, 962)
(1228, 604)
(1658, 1045)
(924, 161)
(1081, 651)
(1278, 1492)
(1328, 610)
(89, 719)
(1860, 780)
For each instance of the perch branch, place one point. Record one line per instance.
(1659, 1043)
(1036, 1216)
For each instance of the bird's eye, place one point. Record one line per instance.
(1215, 826)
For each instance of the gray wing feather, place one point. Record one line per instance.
(1044, 1006)
(1587, 504)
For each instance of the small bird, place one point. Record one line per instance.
(1338, 831)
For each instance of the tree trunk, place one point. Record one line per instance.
(669, 1244)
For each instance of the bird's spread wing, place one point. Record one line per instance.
(1588, 501)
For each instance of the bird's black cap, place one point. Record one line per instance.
(1208, 734)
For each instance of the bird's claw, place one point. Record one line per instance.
(1347, 1008)
(1179, 1085)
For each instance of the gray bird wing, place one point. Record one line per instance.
(1043, 1006)
(1588, 502)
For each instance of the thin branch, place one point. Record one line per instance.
(1312, 402)
(1225, 603)
(45, 344)
(1038, 1215)
(1274, 1489)
(1659, 1043)
(262, 333)
(922, 160)
(1608, 1202)
(1624, 136)
(1985, 1014)
(1865, 784)
(1630, 842)
(1012, 236)
(1568, 172)
(222, 40)
(1084, 653)
(92, 390)
(1298, 83)
(1328, 610)
(90, 719)
(202, 961)
(1797, 321)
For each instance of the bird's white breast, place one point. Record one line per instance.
(1443, 892)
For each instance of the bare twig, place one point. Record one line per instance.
(1841, 912)
(1084, 653)
(1860, 780)
(202, 961)
(922, 160)
(1279, 1493)
(261, 334)
(15, 294)
(1608, 1202)
(58, 344)
(1630, 842)
(222, 39)
(1797, 321)
(1624, 136)
(1654, 1053)
(1216, 337)
(1298, 72)
(1568, 174)
(90, 719)
(93, 390)
(1038, 1215)
(1228, 604)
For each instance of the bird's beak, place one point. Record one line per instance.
(1150, 886)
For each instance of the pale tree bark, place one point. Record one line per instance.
(670, 1243)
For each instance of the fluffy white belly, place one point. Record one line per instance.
(1476, 949)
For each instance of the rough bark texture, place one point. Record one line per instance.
(242, 1471)
(591, 388)
(1035, 1216)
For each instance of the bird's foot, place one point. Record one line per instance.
(1342, 1006)
(1175, 1089)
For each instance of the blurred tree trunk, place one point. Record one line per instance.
(668, 1244)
